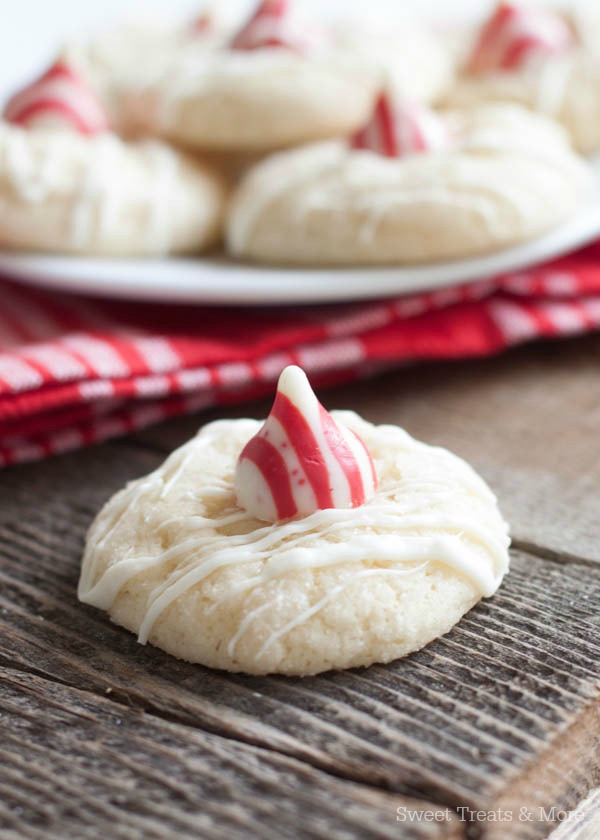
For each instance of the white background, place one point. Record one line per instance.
(32, 30)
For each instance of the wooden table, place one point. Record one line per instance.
(103, 738)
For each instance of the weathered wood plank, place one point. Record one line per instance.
(502, 711)
(74, 765)
(528, 420)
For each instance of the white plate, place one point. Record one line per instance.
(223, 281)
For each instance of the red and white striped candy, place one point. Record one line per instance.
(398, 128)
(514, 35)
(301, 460)
(271, 26)
(60, 99)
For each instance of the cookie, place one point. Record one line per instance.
(502, 176)
(414, 62)
(115, 61)
(275, 81)
(68, 184)
(385, 543)
(538, 59)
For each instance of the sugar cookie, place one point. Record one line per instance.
(493, 177)
(115, 61)
(386, 543)
(276, 80)
(541, 60)
(413, 60)
(68, 184)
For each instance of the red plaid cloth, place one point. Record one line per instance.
(74, 371)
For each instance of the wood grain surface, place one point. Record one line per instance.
(103, 737)
(78, 762)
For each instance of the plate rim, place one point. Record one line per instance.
(235, 283)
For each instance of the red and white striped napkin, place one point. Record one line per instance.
(75, 371)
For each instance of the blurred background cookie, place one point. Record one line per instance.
(411, 187)
(275, 79)
(544, 59)
(70, 184)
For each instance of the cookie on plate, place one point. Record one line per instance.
(69, 184)
(538, 58)
(275, 81)
(124, 63)
(278, 80)
(311, 542)
(412, 59)
(410, 187)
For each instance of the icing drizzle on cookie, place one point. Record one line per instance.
(398, 128)
(301, 460)
(515, 35)
(59, 99)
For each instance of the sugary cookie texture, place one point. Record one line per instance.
(69, 184)
(309, 542)
(542, 59)
(410, 187)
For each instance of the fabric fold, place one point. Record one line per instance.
(75, 371)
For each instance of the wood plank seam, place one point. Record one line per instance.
(64, 703)
(471, 828)
(544, 553)
(120, 699)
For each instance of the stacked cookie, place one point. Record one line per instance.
(292, 141)
(546, 61)
(69, 183)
